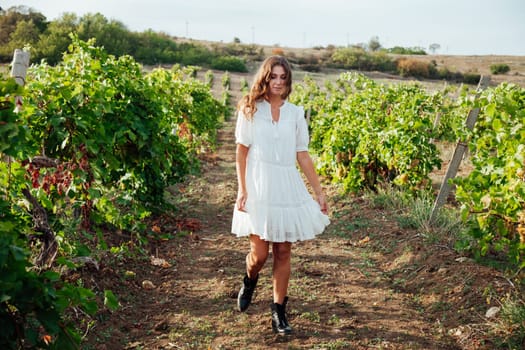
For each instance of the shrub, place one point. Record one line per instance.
(358, 58)
(382, 62)
(415, 68)
(492, 195)
(407, 51)
(278, 51)
(499, 68)
(310, 67)
(229, 63)
(509, 329)
(308, 59)
(364, 133)
(350, 58)
(447, 74)
(471, 78)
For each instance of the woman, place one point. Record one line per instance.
(273, 204)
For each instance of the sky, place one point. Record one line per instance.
(459, 27)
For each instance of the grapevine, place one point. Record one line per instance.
(492, 196)
(95, 144)
(364, 133)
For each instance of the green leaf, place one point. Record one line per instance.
(110, 300)
(18, 253)
(52, 276)
(65, 262)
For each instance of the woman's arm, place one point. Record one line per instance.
(240, 163)
(307, 166)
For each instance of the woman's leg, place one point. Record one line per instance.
(282, 253)
(257, 256)
(254, 263)
(281, 276)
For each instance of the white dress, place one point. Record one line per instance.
(279, 207)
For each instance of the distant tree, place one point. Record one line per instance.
(112, 35)
(21, 26)
(434, 47)
(92, 26)
(55, 40)
(151, 48)
(374, 44)
(26, 33)
(117, 38)
(407, 50)
(10, 18)
(236, 40)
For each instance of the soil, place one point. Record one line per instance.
(366, 283)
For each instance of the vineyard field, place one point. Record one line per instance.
(117, 189)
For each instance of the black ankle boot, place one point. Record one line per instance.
(279, 323)
(245, 294)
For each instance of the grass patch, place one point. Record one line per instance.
(509, 328)
(387, 197)
(197, 333)
(415, 212)
(335, 345)
(312, 316)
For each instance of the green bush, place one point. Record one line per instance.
(32, 301)
(499, 68)
(310, 67)
(446, 74)
(382, 62)
(492, 195)
(471, 78)
(251, 51)
(364, 133)
(407, 50)
(117, 138)
(358, 58)
(229, 63)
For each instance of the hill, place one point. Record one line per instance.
(475, 64)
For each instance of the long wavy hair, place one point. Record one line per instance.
(261, 82)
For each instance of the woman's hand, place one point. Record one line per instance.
(241, 201)
(321, 199)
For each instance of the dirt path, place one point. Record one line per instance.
(364, 284)
(339, 297)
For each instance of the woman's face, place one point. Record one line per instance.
(277, 84)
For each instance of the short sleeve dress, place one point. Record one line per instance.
(279, 207)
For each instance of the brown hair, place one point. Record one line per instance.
(261, 82)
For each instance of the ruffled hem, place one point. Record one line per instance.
(281, 224)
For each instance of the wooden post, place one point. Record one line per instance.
(461, 147)
(49, 247)
(18, 71)
(19, 66)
